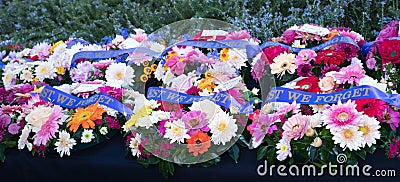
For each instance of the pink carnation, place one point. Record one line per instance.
(49, 128)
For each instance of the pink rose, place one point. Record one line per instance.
(327, 84)
(390, 30)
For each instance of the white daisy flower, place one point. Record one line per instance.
(45, 70)
(87, 136)
(284, 149)
(103, 130)
(8, 76)
(23, 138)
(350, 138)
(237, 58)
(370, 129)
(223, 128)
(176, 131)
(65, 143)
(26, 75)
(119, 74)
(134, 145)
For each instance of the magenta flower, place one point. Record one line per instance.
(235, 93)
(351, 74)
(49, 128)
(342, 116)
(349, 50)
(177, 65)
(112, 91)
(391, 117)
(304, 70)
(195, 121)
(390, 30)
(305, 56)
(263, 125)
(161, 128)
(288, 36)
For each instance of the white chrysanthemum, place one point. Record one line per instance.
(223, 128)
(147, 121)
(60, 48)
(154, 46)
(208, 107)
(284, 149)
(87, 136)
(159, 72)
(319, 108)
(45, 70)
(152, 104)
(168, 77)
(119, 74)
(237, 58)
(134, 144)
(370, 129)
(350, 138)
(38, 116)
(161, 115)
(315, 120)
(65, 143)
(176, 131)
(26, 75)
(128, 43)
(103, 130)
(23, 53)
(110, 111)
(221, 68)
(8, 76)
(23, 138)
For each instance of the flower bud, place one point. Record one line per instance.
(317, 142)
(310, 132)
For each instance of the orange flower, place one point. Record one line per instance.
(198, 143)
(331, 34)
(85, 117)
(206, 84)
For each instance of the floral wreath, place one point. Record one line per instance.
(352, 127)
(43, 127)
(186, 121)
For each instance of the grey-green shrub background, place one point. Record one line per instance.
(32, 21)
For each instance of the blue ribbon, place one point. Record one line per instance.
(253, 50)
(110, 54)
(280, 94)
(240, 44)
(50, 94)
(223, 99)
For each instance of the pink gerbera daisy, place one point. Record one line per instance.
(49, 128)
(351, 74)
(341, 116)
(295, 127)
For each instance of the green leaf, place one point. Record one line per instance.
(243, 142)
(234, 153)
(2, 150)
(362, 154)
(323, 154)
(271, 156)
(312, 153)
(211, 162)
(371, 149)
(166, 168)
(143, 162)
(261, 152)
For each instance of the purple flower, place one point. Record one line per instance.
(258, 69)
(12, 55)
(161, 127)
(371, 63)
(195, 121)
(2, 54)
(304, 70)
(82, 72)
(329, 68)
(349, 50)
(5, 120)
(13, 128)
(263, 125)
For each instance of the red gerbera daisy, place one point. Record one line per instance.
(330, 57)
(371, 107)
(309, 84)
